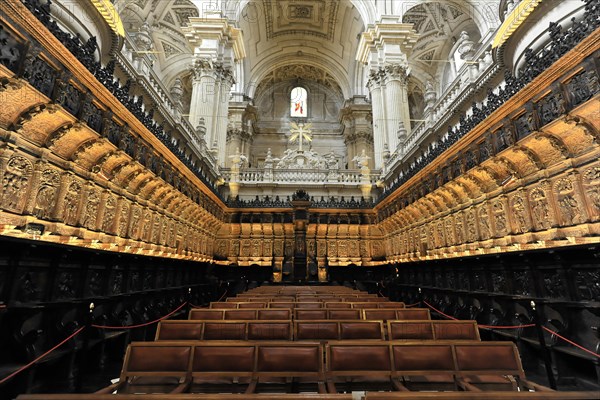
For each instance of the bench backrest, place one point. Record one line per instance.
(338, 330)
(224, 330)
(488, 358)
(223, 360)
(170, 359)
(257, 360)
(294, 360)
(360, 358)
(396, 314)
(433, 330)
(240, 314)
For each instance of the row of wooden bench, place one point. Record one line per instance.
(317, 330)
(307, 305)
(254, 367)
(316, 297)
(491, 395)
(300, 290)
(383, 314)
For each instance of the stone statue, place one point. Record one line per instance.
(362, 160)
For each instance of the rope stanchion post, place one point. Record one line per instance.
(547, 356)
(420, 297)
(88, 320)
(189, 302)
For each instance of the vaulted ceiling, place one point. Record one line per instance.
(317, 33)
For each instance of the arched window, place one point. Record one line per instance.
(299, 103)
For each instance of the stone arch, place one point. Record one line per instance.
(234, 9)
(485, 14)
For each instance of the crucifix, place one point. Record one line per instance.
(300, 132)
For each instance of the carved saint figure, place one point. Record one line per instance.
(539, 205)
(44, 202)
(519, 213)
(569, 209)
(71, 204)
(15, 182)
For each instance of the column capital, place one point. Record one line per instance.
(387, 41)
(396, 72)
(215, 38)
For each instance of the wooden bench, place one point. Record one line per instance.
(253, 367)
(239, 304)
(386, 314)
(491, 366)
(338, 314)
(437, 366)
(359, 366)
(340, 396)
(338, 330)
(432, 330)
(154, 367)
(224, 330)
(363, 305)
(240, 314)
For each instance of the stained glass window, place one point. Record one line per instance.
(298, 103)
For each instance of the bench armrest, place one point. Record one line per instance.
(321, 387)
(331, 387)
(399, 386)
(251, 387)
(182, 387)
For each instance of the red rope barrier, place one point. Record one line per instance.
(411, 305)
(480, 326)
(42, 356)
(520, 326)
(439, 312)
(505, 327)
(568, 341)
(144, 324)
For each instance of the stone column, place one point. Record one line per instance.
(384, 47)
(202, 104)
(396, 102)
(379, 123)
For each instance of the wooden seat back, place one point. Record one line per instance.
(275, 314)
(342, 314)
(367, 360)
(204, 314)
(154, 367)
(338, 330)
(433, 330)
(290, 360)
(386, 314)
(218, 361)
(224, 330)
(488, 358)
(308, 305)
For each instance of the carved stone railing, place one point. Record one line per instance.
(300, 176)
(562, 40)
